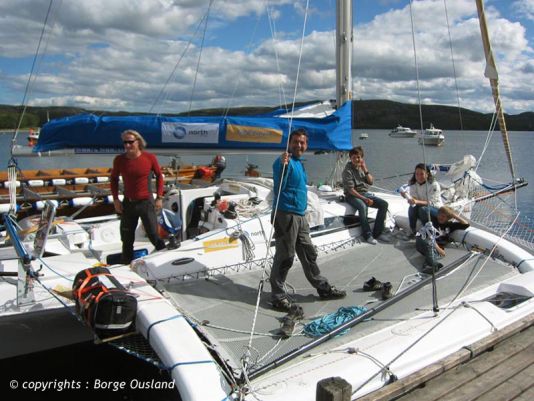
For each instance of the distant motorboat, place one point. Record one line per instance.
(364, 135)
(33, 136)
(432, 136)
(402, 132)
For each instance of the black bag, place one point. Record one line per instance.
(103, 303)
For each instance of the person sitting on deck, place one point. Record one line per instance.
(424, 197)
(442, 226)
(356, 182)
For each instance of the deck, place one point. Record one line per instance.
(501, 372)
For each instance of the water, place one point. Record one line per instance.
(385, 156)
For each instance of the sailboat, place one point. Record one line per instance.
(203, 307)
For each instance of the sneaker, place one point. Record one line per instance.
(295, 312)
(372, 285)
(386, 290)
(334, 293)
(371, 240)
(288, 325)
(282, 305)
(385, 237)
(427, 269)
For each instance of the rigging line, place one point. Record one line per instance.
(161, 95)
(453, 66)
(462, 290)
(260, 286)
(238, 81)
(28, 83)
(272, 27)
(421, 120)
(444, 318)
(199, 57)
(491, 130)
(493, 249)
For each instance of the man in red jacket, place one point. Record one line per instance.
(135, 166)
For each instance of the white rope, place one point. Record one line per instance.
(453, 66)
(491, 130)
(160, 96)
(246, 356)
(199, 56)
(31, 77)
(272, 26)
(12, 178)
(238, 81)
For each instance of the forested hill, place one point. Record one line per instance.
(388, 114)
(366, 114)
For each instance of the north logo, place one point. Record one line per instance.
(179, 132)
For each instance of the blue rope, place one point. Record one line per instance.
(327, 323)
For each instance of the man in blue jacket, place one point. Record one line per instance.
(291, 230)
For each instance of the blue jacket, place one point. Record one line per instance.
(294, 194)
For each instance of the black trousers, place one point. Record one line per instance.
(131, 212)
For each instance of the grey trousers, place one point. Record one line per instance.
(131, 212)
(292, 235)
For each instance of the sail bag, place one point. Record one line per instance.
(103, 303)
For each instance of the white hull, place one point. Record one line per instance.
(402, 132)
(214, 256)
(438, 140)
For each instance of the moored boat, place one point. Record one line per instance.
(402, 132)
(432, 136)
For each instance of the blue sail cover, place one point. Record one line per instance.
(88, 133)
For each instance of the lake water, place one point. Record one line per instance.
(385, 156)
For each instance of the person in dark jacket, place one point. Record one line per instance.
(446, 221)
(291, 229)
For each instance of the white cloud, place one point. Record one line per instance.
(525, 8)
(118, 54)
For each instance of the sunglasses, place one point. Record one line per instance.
(128, 142)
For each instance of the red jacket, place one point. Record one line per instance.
(136, 175)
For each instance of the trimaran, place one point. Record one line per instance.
(203, 308)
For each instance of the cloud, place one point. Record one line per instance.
(524, 8)
(120, 59)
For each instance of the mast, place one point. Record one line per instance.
(343, 51)
(493, 76)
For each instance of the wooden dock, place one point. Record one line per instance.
(498, 369)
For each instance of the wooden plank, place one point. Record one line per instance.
(526, 396)
(416, 379)
(513, 388)
(491, 379)
(459, 376)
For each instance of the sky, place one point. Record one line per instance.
(161, 56)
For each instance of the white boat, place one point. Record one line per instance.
(402, 132)
(432, 136)
(364, 135)
(203, 307)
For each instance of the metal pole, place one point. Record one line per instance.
(344, 39)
